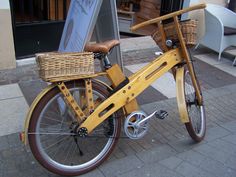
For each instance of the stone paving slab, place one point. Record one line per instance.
(13, 108)
(152, 170)
(230, 127)
(172, 162)
(121, 166)
(137, 43)
(10, 91)
(224, 64)
(189, 170)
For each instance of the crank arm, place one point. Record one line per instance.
(160, 114)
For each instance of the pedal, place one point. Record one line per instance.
(158, 53)
(161, 114)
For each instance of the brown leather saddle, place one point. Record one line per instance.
(103, 47)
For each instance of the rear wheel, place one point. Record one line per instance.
(196, 126)
(53, 136)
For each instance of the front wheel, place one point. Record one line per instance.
(53, 136)
(196, 126)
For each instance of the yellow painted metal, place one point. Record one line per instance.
(32, 107)
(137, 84)
(187, 59)
(70, 78)
(36, 101)
(163, 36)
(154, 61)
(89, 95)
(181, 96)
(116, 76)
(97, 101)
(80, 116)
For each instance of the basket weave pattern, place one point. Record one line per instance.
(188, 28)
(59, 66)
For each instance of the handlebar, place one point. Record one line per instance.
(164, 17)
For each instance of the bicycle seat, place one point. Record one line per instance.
(103, 47)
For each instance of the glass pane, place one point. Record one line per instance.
(31, 11)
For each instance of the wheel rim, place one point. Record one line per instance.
(102, 141)
(196, 112)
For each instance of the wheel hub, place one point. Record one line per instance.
(75, 128)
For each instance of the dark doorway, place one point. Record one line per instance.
(37, 25)
(168, 6)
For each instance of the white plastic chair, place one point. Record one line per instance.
(220, 24)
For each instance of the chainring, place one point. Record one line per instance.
(131, 125)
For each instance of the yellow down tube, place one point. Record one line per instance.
(138, 83)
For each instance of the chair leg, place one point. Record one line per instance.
(195, 48)
(219, 56)
(234, 62)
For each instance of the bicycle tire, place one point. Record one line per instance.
(196, 126)
(111, 133)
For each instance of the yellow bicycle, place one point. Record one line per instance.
(74, 124)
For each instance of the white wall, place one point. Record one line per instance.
(4, 4)
(7, 51)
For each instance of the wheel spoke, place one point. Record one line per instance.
(55, 120)
(53, 133)
(56, 143)
(51, 137)
(131, 124)
(196, 126)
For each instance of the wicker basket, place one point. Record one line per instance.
(188, 28)
(62, 66)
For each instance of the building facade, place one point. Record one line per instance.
(31, 26)
(7, 50)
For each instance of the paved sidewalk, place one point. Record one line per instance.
(166, 151)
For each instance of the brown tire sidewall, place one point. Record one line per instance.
(33, 122)
(189, 125)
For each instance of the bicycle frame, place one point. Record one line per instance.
(175, 15)
(138, 82)
(144, 78)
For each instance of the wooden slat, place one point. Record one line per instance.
(51, 10)
(60, 10)
(56, 9)
(80, 116)
(116, 76)
(89, 95)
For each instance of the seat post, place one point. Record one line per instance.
(107, 63)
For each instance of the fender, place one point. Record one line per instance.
(180, 96)
(31, 109)
(23, 135)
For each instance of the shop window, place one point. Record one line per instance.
(30, 11)
(132, 12)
